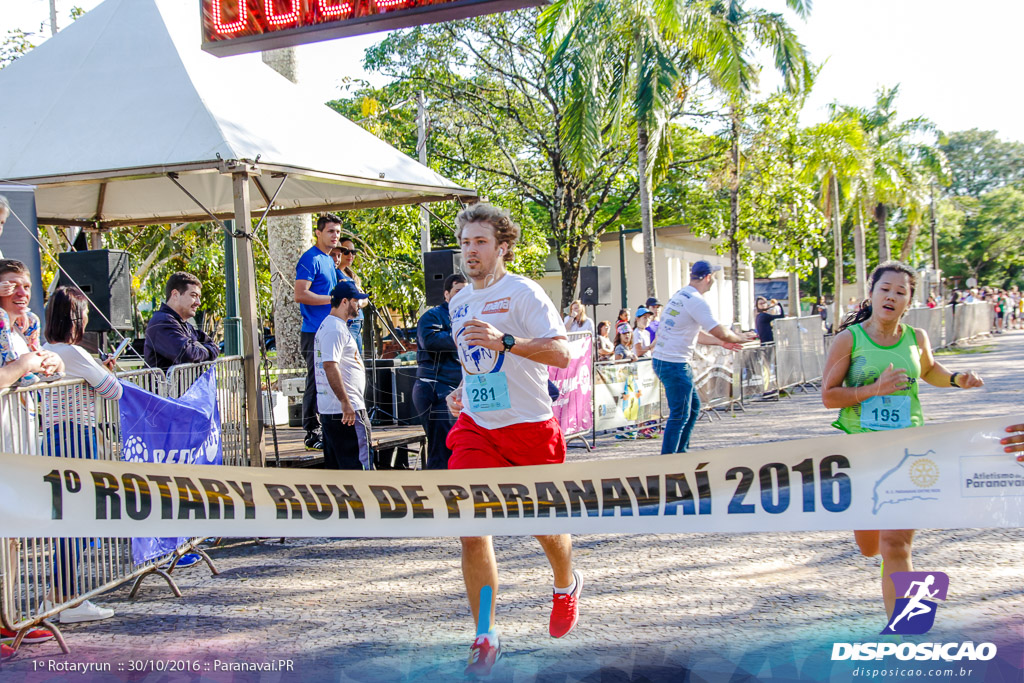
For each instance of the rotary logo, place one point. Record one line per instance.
(924, 473)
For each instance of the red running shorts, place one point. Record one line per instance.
(518, 445)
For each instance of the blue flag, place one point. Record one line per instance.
(185, 430)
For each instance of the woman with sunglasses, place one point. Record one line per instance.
(348, 251)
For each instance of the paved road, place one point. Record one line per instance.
(713, 607)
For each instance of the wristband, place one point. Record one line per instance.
(952, 379)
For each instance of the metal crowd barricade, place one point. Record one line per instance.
(969, 321)
(758, 376)
(715, 373)
(929, 320)
(799, 351)
(626, 395)
(230, 401)
(40, 577)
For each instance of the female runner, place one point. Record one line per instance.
(873, 356)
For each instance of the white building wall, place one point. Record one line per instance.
(672, 272)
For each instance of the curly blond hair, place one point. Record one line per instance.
(505, 229)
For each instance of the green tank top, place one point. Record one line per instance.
(867, 362)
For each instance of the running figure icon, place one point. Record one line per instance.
(915, 605)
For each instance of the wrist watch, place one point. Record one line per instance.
(508, 341)
(952, 379)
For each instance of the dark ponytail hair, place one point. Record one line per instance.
(65, 316)
(864, 311)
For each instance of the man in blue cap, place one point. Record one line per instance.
(687, 316)
(341, 383)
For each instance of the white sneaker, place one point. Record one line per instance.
(87, 611)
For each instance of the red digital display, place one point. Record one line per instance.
(232, 27)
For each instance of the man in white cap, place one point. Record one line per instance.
(687, 316)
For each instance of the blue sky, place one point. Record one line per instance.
(956, 63)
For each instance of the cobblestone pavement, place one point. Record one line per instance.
(714, 607)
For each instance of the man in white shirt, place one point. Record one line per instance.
(507, 332)
(340, 384)
(686, 317)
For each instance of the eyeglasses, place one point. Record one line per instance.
(347, 252)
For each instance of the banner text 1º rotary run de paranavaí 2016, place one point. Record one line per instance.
(952, 475)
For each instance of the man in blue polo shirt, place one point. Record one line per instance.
(315, 278)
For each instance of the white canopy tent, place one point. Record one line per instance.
(121, 119)
(98, 116)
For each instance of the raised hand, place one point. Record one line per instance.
(1015, 443)
(891, 380)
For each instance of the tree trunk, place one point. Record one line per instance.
(287, 238)
(907, 248)
(837, 241)
(881, 217)
(646, 221)
(734, 214)
(859, 257)
(570, 277)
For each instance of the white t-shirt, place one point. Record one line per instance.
(516, 306)
(685, 314)
(641, 337)
(80, 403)
(572, 326)
(334, 343)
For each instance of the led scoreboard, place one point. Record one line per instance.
(231, 27)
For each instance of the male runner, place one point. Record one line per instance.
(506, 332)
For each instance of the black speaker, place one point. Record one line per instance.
(437, 266)
(389, 394)
(405, 377)
(105, 277)
(595, 285)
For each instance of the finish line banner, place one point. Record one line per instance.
(952, 475)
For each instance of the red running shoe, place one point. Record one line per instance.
(6, 652)
(36, 635)
(484, 652)
(565, 611)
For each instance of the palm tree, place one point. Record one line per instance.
(894, 150)
(836, 161)
(930, 168)
(634, 58)
(623, 58)
(743, 30)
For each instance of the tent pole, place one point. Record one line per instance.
(247, 311)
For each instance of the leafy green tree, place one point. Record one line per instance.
(981, 238)
(497, 126)
(634, 60)
(776, 203)
(979, 161)
(835, 165)
(16, 43)
(748, 29)
(900, 160)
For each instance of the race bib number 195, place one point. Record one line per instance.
(885, 412)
